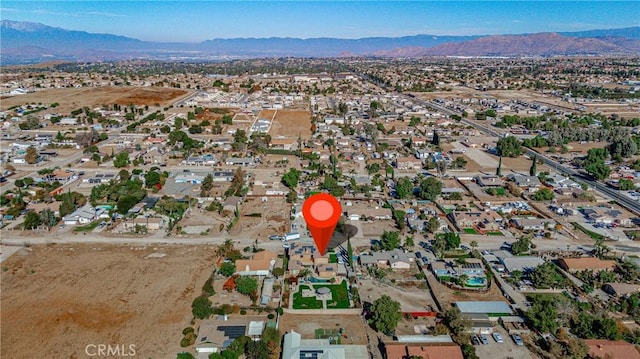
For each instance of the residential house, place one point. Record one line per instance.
(395, 259)
(601, 348)
(408, 163)
(605, 215)
(472, 267)
(489, 181)
(481, 220)
(527, 183)
(586, 263)
(423, 350)
(442, 269)
(260, 264)
(84, 215)
(621, 289)
(231, 203)
(531, 224)
(294, 347)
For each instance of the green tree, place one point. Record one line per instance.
(31, 220)
(390, 240)
(436, 139)
(543, 194)
(48, 218)
(543, 315)
(509, 146)
(433, 224)
(430, 188)
(291, 178)
(125, 203)
(399, 218)
(206, 186)
(32, 155)
(151, 178)
(201, 307)
(121, 160)
(520, 246)
(544, 276)
(385, 314)
(409, 242)
(452, 240)
(246, 285)
(185, 355)
(534, 166)
(349, 252)
(404, 187)
(626, 185)
(227, 269)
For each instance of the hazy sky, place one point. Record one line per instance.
(192, 21)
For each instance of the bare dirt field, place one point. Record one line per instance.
(306, 324)
(412, 299)
(65, 297)
(274, 218)
(291, 124)
(72, 98)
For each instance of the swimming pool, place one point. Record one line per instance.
(476, 281)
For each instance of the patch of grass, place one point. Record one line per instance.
(305, 303)
(498, 233)
(339, 295)
(88, 228)
(333, 258)
(470, 231)
(593, 235)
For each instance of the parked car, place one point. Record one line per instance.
(484, 339)
(474, 340)
(517, 339)
(497, 337)
(275, 237)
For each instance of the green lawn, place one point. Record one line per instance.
(339, 295)
(470, 231)
(593, 235)
(333, 258)
(305, 303)
(498, 233)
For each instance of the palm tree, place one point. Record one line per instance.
(474, 245)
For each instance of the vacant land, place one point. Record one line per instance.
(259, 219)
(73, 98)
(306, 325)
(65, 297)
(291, 124)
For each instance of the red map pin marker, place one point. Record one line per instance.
(321, 212)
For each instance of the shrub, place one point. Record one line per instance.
(243, 312)
(271, 316)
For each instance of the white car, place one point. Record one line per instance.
(497, 337)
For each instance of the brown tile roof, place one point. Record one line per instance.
(396, 351)
(616, 349)
(436, 351)
(252, 265)
(265, 255)
(588, 263)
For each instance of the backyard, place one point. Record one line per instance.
(339, 297)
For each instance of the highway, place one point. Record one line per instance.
(624, 201)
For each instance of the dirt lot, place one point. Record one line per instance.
(291, 124)
(306, 324)
(72, 98)
(412, 299)
(65, 297)
(274, 219)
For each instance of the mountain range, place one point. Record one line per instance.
(26, 42)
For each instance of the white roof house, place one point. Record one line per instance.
(83, 215)
(295, 347)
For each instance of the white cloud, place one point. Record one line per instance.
(105, 14)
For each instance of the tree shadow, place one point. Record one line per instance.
(341, 234)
